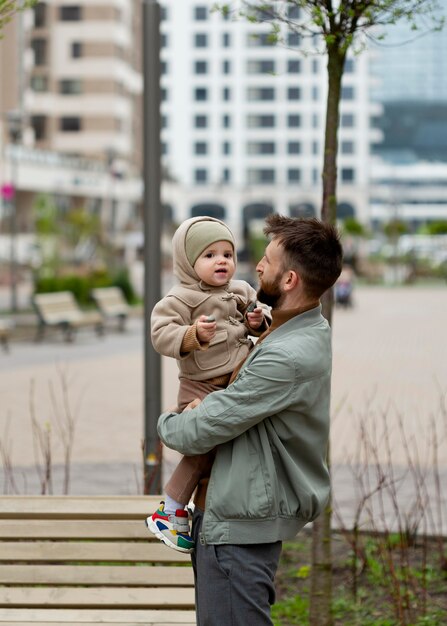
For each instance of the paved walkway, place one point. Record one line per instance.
(389, 383)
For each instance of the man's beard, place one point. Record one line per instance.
(270, 293)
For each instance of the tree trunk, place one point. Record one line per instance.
(321, 577)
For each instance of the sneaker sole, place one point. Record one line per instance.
(152, 527)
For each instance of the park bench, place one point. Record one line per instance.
(68, 560)
(111, 304)
(61, 310)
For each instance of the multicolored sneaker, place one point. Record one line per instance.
(173, 530)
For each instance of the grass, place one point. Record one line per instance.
(418, 587)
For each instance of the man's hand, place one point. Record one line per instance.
(255, 318)
(206, 328)
(193, 404)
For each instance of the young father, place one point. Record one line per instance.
(271, 428)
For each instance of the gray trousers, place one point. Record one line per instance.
(233, 583)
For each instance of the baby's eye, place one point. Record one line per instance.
(209, 255)
(228, 255)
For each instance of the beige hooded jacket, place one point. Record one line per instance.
(185, 303)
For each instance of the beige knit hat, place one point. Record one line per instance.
(200, 235)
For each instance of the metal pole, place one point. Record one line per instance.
(152, 237)
(13, 232)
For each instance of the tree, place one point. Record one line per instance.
(8, 8)
(339, 25)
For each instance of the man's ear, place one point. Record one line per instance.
(291, 280)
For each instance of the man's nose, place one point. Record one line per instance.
(259, 265)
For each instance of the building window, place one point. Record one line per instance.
(226, 121)
(293, 147)
(39, 83)
(261, 121)
(293, 93)
(70, 124)
(315, 120)
(201, 147)
(315, 66)
(226, 175)
(200, 40)
(293, 13)
(164, 148)
(255, 94)
(163, 14)
(260, 176)
(256, 40)
(226, 40)
(347, 174)
(347, 93)
(293, 66)
(316, 177)
(349, 66)
(315, 148)
(226, 94)
(164, 94)
(201, 13)
(293, 40)
(40, 15)
(164, 67)
(164, 121)
(201, 67)
(226, 147)
(76, 50)
(261, 147)
(315, 93)
(293, 175)
(70, 13)
(70, 86)
(260, 66)
(201, 121)
(38, 124)
(226, 66)
(163, 40)
(347, 120)
(293, 120)
(39, 47)
(201, 176)
(347, 147)
(200, 94)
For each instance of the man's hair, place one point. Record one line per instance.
(311, 247)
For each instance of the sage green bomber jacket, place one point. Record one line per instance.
(271, 429)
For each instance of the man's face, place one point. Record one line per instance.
(270, 271)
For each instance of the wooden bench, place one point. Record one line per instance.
(112, 304)
(68, 560)
(61, 310)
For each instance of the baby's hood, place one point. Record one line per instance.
(183, 269)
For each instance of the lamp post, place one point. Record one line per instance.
(110, 157)
(152, 237)
(14, 119)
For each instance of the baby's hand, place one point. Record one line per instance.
(192, 405)
(206, 328)
(255, 318)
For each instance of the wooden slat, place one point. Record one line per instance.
(62, 617)
(97, 597)
(74, 529)
(89, 551)
(77, 507)
(96, 575)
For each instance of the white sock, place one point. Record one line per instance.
(172, 505)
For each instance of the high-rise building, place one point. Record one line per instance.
(243, 120)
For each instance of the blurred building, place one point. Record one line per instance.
(71, 86)
(243, 120)
(409, 171)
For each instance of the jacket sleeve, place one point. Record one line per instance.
(266, 386)
(170, 320)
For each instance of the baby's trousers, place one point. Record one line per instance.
(190, 469)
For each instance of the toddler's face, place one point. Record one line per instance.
(215, 266)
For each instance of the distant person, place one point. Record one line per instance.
(344, 286)
(204, 323)
(270, 429)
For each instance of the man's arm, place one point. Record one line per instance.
(264, 387)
